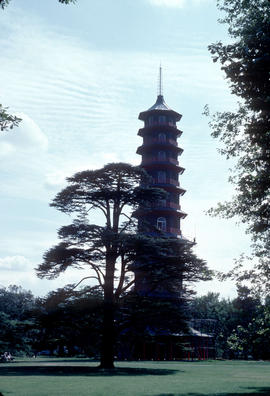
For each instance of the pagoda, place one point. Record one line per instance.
(160, 152)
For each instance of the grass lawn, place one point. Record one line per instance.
(79, 377)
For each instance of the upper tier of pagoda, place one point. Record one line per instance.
(160, 152)
(160, 106)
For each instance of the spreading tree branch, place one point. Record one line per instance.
(83, 279)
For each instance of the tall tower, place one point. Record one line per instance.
(160, 153)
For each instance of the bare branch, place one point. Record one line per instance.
(86, 277)
(128, 285)
(98, 272)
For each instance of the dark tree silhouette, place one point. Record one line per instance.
(107, 250)
(246, 132)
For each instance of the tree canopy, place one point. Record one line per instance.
(240, 326)
(114, 191)
(17, 330)
(245, 133)
(106, 250)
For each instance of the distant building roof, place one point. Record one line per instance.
(198, 333)
(151, 331)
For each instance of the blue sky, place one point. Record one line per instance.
(79, 75)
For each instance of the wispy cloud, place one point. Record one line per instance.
(168, 3)
(28, 137)
(6, 149)
(177, 3)
(14, 263)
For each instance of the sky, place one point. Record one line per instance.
(79, 75)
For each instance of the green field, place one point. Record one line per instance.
(51, 376)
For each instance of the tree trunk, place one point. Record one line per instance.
(108, 331)
(108, 337)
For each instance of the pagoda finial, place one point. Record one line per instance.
(160, 82)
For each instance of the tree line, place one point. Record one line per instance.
(245, 132)
(240, 326)
(65, 323)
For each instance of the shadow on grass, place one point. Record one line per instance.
(262, 391)
(80, 370)
(57, 360)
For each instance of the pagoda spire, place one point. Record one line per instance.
(160, 82)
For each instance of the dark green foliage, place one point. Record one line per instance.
(65, 321)
(16, 302)
(4, 3)
(145, 316)
(212, 315)
(245, 133)
(252, 340)
(164, 268)
(116, 184)
(70, 321)
(169, 265)
(17, 320)
(7, 121)
(240, 326)
(67, 1)
(156, 308)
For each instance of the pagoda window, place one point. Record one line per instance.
(161, 177)
(151, 120)
(162, 155)
(161, 223)
(162, 137)
(162, 119)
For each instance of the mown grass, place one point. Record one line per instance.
(79, 377)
